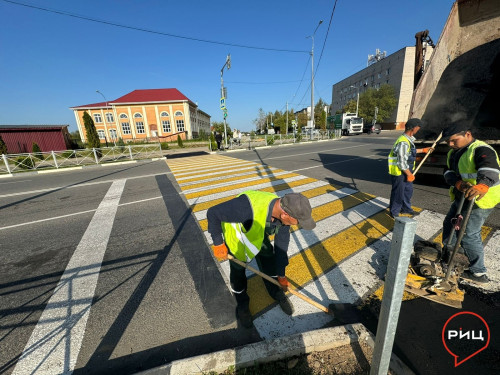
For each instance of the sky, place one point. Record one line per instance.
(57, 58)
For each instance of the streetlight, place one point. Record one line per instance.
(222, 94)
(312, 76)
(357, 101)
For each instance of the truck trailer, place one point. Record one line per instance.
(349, 122)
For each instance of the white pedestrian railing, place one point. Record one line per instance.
(13, 163)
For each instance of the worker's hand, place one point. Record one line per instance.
(410, 177)
(220, 251)
(462, 185)
(283, 282)
(477, 191)
(426, 150)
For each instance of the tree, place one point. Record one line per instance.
(179, 141)
(35, 150)
(91, 132)
(320, 114)
(218, 126)
(260, 121)
(3, 146)
(384, 98)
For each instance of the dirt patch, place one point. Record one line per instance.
(353, 359)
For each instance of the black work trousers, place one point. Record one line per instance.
(267, 264)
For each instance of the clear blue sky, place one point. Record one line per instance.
(50, 62)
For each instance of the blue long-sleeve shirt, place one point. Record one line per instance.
(239, 210)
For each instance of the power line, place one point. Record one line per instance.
(64, 13)
(326, 37)
(262, 83)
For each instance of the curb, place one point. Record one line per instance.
(276, 349)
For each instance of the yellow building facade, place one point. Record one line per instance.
(156, 115)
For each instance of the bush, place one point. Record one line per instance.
(37, 153)
(24, 162)
(270, 140)
(164, 145)
(68, 154)
(213, 145)
(179, 141)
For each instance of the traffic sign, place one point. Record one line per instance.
(222, 103)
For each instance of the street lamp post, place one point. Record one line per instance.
(222, 94)
(104, 119)
(312, 76)
(357, 101)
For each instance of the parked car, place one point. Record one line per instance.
(372, 128)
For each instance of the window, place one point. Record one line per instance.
(123, 115)
(125, 128)
(109, 117)
(178, 113)
(166, 126)
(137, 115)
(97, 117)
(112, 134)
(100, 133)
(139, 125)
(378, 75)
(387, 71)
(164, 114)
(180, 125)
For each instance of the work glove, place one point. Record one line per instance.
(410, 177)
(283, 282)
(220, 251)
(477, 191)
(426, 150)
(462, 185)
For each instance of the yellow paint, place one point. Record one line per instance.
(320, 258)
(224, 173)
(248, 184)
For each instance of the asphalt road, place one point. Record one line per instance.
(155, 296)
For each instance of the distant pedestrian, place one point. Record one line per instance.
(218, 139)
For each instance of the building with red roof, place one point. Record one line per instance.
(145, 115)
(20, 138)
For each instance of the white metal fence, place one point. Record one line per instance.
(13, 163)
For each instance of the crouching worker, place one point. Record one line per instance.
(242, 226)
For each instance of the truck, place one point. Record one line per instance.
(350, 123)
(461, 80)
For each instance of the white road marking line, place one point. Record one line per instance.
(314, 152)
(78, 185)
(56, 340)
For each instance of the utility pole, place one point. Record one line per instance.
(312, 76)
(357, 101)
(223, 94)
(286, 131)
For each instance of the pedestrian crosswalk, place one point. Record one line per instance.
(343, 259)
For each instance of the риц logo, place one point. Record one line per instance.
(464, 335)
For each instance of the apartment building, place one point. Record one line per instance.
(145, 115)
(397, 70)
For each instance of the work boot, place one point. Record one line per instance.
(244, 316)
(478, 278)
(284, 302)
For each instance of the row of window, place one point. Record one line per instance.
(139, 126)
(110, 118)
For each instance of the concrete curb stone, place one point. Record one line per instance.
(275, 349)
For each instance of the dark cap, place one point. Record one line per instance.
(456, 127)
(297, 206)
(413, 123)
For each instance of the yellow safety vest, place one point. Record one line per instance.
(245, 245)
(393, 158)
(468, 173)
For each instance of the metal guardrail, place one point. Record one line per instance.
(14, 163)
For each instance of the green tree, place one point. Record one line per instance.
(35, 150)
(384, 98)
(3, 146)
(91, 132)
(179, 141)
(320, 114)
(260, 121)
(218, 126)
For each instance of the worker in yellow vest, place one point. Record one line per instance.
(401, 165)
(242, 226)
(473, 169)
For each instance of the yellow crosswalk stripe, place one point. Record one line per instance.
(321, 257)
(236, 186)
(224, 173)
